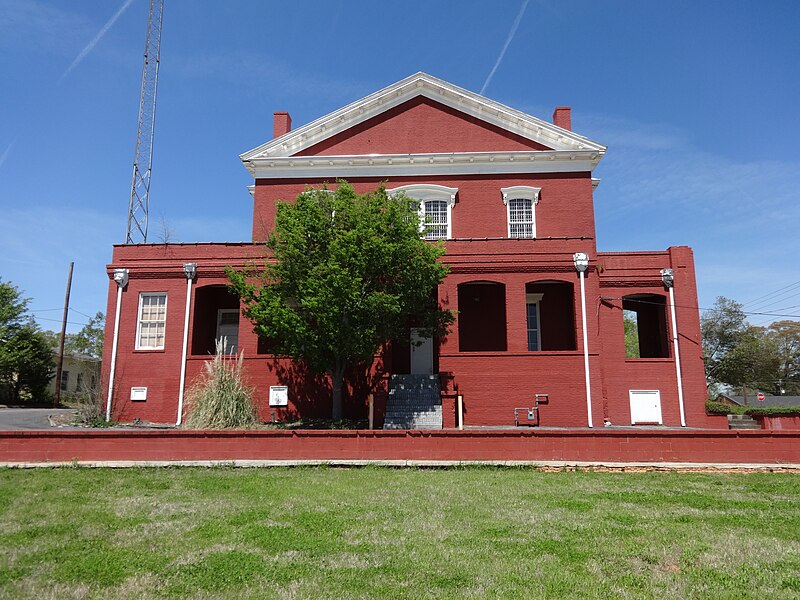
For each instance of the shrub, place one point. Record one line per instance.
(719, 408)
(787, 411)
(88, 409)
(220, 399)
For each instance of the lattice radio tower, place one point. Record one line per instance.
(143, 158)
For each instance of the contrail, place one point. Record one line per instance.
(505, 46)
(7, 151)
(90, 46)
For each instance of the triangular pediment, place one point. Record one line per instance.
(471, 108)
(421, 126)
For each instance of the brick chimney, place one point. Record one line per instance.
(562, 117)
(281, 123)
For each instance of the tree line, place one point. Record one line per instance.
(747, 358)
(28, 353)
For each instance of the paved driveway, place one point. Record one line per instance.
(28, 418)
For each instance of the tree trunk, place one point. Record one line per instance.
(336, 379)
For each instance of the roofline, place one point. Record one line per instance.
(437, 89)
(399, 165)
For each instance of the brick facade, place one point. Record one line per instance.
(425, 131)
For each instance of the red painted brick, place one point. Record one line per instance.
(492, 384)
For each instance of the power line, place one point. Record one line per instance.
(771, 293)
(765, 314)
(81, 313)
(775, 300)
(58, 321)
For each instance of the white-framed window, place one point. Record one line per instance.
(435, 208)
(534, 321)
(152, 321)
(521, 201)
(228, 328)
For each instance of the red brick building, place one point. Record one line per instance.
(540, 310)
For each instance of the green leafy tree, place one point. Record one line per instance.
(785, 336)
(89, 340)
(722, 328)
(349, 272)
(26, 355)
(631, 334)
(752, 362)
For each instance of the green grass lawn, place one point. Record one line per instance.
(383, 533)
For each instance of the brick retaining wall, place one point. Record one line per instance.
(501, 445)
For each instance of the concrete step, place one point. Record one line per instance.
(742, 422)
(415, 402)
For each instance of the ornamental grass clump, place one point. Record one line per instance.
(220, 399)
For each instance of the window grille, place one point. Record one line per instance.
(520, 218)
(435, 220)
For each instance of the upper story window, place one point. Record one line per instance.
(435, 208)
(152, 321)
(521, 201)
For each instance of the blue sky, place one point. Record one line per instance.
(697, 102)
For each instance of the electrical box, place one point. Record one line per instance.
(278, 395)
(531, 415)
(138, 394)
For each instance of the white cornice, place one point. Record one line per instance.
(397, 165)
(524, 192)
(422, 84)
(427, 191)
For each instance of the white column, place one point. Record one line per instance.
(121, 279)
(581, 264)
(668, 278)
(190, 270)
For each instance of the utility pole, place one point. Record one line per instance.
(60, 365)
(139, 204)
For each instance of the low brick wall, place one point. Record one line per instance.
(580, 445)
(779, 423)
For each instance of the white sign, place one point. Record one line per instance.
(138, 394)
(278, 395)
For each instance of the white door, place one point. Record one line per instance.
(228, 327)
(422, 355)
(645, 406)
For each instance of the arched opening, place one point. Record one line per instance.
(550, 313)
(216, 315)
(481, 316)
(645, 317)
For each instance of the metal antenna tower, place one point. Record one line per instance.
(143, 158)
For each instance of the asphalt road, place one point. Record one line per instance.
(16, 419)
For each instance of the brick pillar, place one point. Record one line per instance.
(516, 316)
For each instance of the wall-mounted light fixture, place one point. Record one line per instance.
(668, 277)
(190, 270)
(121, 277)
(581, 260)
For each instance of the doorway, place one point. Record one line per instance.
(421, 353)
